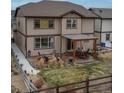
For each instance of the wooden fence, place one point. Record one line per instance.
(88, 86)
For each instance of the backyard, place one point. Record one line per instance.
(56, 72)
(75, 73)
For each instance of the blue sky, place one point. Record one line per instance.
(86, 3)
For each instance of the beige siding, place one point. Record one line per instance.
(106, 25)
(98, 35)
(30, 46)
(97, 24)
(103, 37)
(71, 31)
(87, 25)
(64, 45)
(21, 28)
(32, 31)
(20, 41)
(87, 44)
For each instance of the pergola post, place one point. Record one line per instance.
(74, 48)
(71, 44)
(81, 45)
(94, 48)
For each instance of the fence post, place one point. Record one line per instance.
(87, 86)
(57, 89)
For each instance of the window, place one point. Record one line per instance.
(51, 23)
(44, 23)
(71, 23)
(68, 23)
(51, 42)
(37, 23)
(37, 42)
(108, 37)
(44, 42)
(74, 22)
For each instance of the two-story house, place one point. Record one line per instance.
(103, 26)
(49, 26)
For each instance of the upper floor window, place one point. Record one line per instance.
(44, 23)
(71, 23)
(44, 42)
(108, 37)
(37, 23)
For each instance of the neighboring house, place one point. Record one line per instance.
(49, 26)
(13, 22)
(103, 26)
(13, 19)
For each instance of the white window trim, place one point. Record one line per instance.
(48, 47)
(72, 21)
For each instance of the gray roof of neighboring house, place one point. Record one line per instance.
(52, 9)
(102, 12)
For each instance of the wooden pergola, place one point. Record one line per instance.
(79, 38)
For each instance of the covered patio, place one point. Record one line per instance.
(79, 38)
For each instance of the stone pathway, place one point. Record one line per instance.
(22, 60)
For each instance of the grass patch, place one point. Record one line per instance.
(76, 73)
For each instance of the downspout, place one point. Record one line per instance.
(100, 26)
(94, 27)
(100, 30)
(26, 36)
(61, 37)
(99, 16)
(81, 24)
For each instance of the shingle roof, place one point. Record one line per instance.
(102, 12)
(52, 8)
